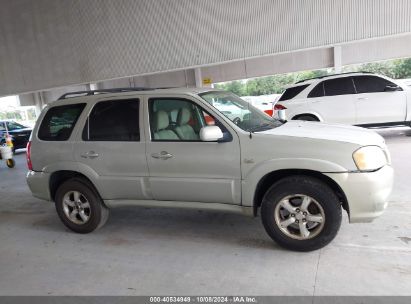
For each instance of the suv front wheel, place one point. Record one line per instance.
(301, 213)
(79, 207)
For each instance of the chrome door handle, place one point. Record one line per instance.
(90, 154)
(162, 155)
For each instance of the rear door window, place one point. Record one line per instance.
(59, 121)
(290, 93)
(371, 84)
(339, 86)
(318, 91)
(113, 120)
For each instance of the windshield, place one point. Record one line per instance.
(240, 112)
(11, 126)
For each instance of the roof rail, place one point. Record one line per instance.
(102, 91)
(329, 75)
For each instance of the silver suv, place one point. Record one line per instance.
(182, 148)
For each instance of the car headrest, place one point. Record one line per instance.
(184, 116)
(161, 120)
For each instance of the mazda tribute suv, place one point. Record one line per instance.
(91, 151)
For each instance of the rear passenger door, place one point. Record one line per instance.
(181, 166)
(333, 100)
(377, 105)
(112, 145)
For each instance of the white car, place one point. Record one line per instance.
(353, 98)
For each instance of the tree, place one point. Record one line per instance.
(237, 87)
(402, 68)
(382, 68)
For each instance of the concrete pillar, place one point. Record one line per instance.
(37, 103)
(93, 86)
(337, 59)
(198, 77)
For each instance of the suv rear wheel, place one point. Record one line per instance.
(79, 206)
(301, 213)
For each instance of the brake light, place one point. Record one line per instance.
(28, 156)
(269, 112)
(278, 107)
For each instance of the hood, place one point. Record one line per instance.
(325, 131)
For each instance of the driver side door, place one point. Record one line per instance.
(181, 166)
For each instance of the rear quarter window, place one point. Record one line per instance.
(371, 84)
(59, 121)
(318, 91)
(290, 93)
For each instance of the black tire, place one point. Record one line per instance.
(306, 118)
(321, 194)
(10, 163)
(97, 212)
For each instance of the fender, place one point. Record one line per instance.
(76, 167)
(252, 177)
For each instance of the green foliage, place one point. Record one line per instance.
(402, 68)
(381, 68)
(10, 115)
(397, 69)
(267, 85)
(237, 87)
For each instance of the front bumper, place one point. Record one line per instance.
(366, 192)
(38, 183)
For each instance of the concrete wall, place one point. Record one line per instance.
(52, 43)
(183, 78)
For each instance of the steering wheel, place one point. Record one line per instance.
(237, 120)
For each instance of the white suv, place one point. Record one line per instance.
(354, 98)
(180, 148)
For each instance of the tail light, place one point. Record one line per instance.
(269, 112)
(28, 156)
(278, 107)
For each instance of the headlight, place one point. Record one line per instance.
(369, 158)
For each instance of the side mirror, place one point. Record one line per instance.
(211, 133)
(392, 88)
(281, 115)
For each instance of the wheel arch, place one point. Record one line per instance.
(313, 115)
(270, 178)
(61, 176)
